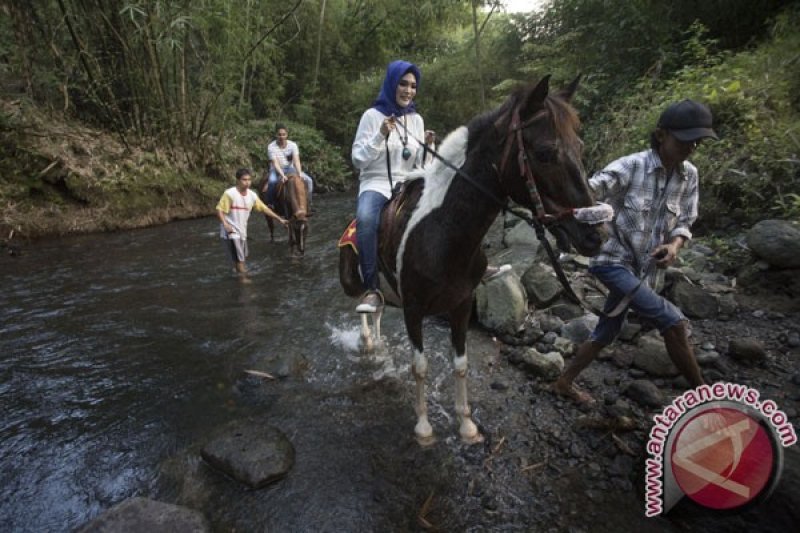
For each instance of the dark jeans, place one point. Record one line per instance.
(368, 218)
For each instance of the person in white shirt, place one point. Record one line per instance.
(284, 158)
(385, 151)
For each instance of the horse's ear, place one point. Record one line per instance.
(569, 91)
(533, 102)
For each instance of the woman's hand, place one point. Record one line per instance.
(388, 126)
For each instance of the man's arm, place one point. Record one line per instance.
(223, 208)
(296, 159)
(263, 208)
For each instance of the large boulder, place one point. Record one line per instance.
(251, 452)
(541, 285)
(140, 515)
(777, 242)
(502, 304)
(694, 301)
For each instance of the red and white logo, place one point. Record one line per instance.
(723, 458)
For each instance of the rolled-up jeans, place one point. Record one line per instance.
(646, 302)
(368, 218)
(272, 183)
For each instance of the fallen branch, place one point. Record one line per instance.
(535, 466)
(259, 374)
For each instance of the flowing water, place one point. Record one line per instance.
(120, 353)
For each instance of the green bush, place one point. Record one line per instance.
(753, 171)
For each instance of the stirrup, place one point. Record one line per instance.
(370, 302)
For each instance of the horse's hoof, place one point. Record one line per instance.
(469, 433)
(477, 438)
(426, 442)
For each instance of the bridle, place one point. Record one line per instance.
(514, 133)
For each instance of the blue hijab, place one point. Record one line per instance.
(386, 102)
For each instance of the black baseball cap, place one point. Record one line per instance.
(687, 121)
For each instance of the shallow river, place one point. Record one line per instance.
(120, 353)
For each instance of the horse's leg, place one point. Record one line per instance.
(376, 322)
(367, 345)
(419, 367)
(459, 321)
(271, 226)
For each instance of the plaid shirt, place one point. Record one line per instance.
(650, 209)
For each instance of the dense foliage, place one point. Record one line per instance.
(199, 84)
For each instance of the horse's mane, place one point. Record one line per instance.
(565, 119)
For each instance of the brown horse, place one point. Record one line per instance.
(291, 202)
(431, 257)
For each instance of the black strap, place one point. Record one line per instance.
(389, 167)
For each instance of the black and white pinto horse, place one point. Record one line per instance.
(527, 150)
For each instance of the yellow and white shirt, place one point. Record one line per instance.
(237, 207)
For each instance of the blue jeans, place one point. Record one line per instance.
(368, 219)
(272, 183)
(646, 302)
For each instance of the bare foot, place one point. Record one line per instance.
(573, 392)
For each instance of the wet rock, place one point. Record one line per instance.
(747, 349)
(629, 331)
(707, 358)
(563, 346)
(541, 285)
(579, 329)
(645, 393)
(498, 386)
(251, 452)
(694, 301)
(777, 242)
(550, 322)
(144, 515)
(549, 337)
(727, 304)
(652, 357)
(793, 340)
(502, 304)
(546, 365)
(566, 310)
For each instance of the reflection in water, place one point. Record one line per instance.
(120, 353)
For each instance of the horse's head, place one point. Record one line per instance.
(541, 164)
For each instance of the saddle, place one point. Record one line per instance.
(394, 219)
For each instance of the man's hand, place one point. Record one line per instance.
(665, 254)
(284, 222)
(283, 178)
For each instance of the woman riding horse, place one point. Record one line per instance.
(527, 150)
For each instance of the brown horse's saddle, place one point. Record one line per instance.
(394, 218)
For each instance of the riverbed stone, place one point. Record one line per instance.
(652, 357)
(777, 242)
(579, 329)
(645, 392)
(502, 304)
(142, 515)
(251, 452)
(541, 285)
(694, 301)
(747, 349)
(546, 365)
